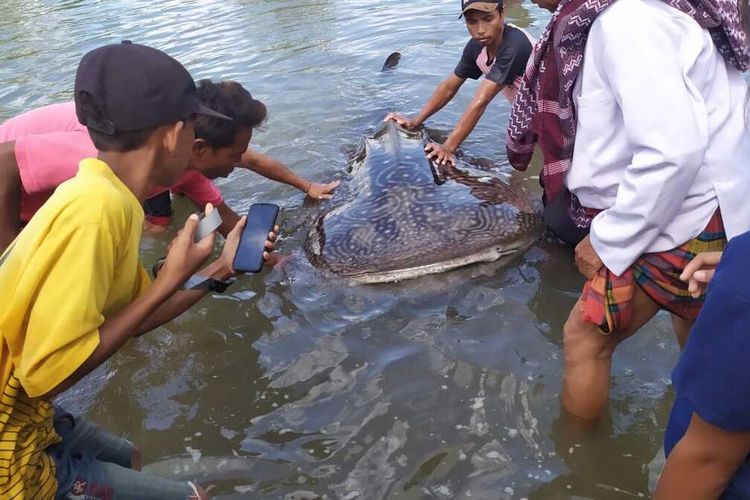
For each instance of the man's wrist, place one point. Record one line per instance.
(218, 270)
(160, 290)
(449, 147)
(215, 277)
(198, 282)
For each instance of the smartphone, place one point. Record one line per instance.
(261, 218)
(207, 225)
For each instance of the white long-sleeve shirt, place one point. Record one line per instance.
(661, 140)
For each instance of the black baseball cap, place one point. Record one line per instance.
(482, 5)
(136, 87)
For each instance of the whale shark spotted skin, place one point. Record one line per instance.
(400, 215)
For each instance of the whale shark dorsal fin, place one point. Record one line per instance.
(391, 62)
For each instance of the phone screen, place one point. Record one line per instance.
(261, 218)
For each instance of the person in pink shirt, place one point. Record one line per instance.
(41, 148)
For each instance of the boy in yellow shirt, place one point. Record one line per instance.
(74, 291)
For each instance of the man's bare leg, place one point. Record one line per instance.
(682, 329)
(588, 358)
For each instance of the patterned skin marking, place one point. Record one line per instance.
(398, 212)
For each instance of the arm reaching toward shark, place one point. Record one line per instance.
(444, 153)
(275, 170)
(440, 97)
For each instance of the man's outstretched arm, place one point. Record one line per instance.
(277, 171)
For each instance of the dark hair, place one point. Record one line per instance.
(232, 99)
(90, 113)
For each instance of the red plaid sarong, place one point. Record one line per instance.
(607, 299)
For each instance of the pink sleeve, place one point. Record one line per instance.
(47, 160)
(198, 188)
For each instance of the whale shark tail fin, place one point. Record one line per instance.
(391, 62)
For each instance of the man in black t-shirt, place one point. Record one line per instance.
(497, 50)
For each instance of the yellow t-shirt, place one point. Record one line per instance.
(75, 264)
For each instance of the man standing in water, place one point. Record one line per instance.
(655, 171)
(41, 148)
(497, 50)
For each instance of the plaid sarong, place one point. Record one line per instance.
(607, 299)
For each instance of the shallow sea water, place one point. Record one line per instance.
(296, 385)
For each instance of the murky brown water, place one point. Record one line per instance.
(296, 385)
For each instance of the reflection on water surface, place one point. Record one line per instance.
(295, 385)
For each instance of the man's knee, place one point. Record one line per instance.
(583, 342)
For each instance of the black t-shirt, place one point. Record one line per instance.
(510, 59)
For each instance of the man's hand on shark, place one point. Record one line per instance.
(321, 191)
(407, 123)
(439, 154)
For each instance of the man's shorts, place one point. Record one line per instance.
(95, 464)
(606, 299)
(558, 220)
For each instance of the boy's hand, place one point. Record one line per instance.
(700, 271)
(270, 245)
(184, 256)
(321, 191)
(407, 123)
(269, 257)
(440, 154)
(230, 247)
(271, 241)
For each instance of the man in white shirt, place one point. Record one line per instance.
(657, 160)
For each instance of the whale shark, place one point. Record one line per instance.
(399, 215)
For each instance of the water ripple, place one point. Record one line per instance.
(296, 385)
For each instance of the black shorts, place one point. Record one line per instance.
(558, 220)
(158, 209)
